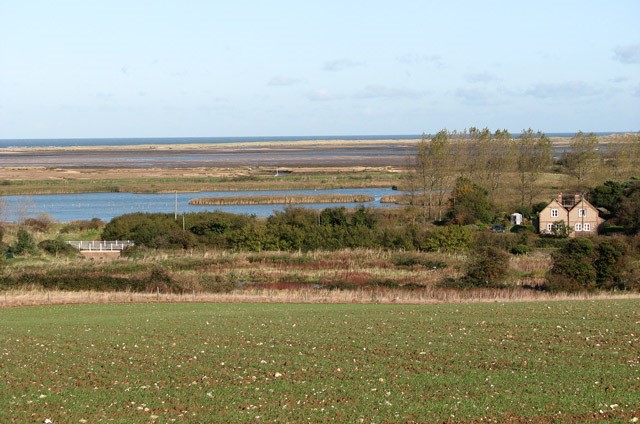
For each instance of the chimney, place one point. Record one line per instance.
(559, 198)
(576, 199)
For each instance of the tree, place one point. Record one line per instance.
(629, 211)
(582, 160)
(469, 203)
(433, 171)
(533, 157)
(498, 161)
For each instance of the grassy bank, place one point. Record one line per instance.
(543, 362)
(157, 181)
(290, 199)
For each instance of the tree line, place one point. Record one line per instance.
(500, 163)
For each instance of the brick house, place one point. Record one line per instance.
(575, 211)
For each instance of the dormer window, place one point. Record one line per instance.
(582, 212)
(554, 213)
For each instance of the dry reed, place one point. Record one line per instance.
(428, 295)
(281, 199)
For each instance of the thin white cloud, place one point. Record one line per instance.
(627, 54)
(636, 92)
(421, 59)
(482, 77)
(473, 95)
(322, 95)
(340, 65)
(282, 81)
(569, 89)
(618, 80)
(384, 92)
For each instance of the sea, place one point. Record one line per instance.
(75, 142)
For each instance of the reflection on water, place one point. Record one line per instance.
(71, 207)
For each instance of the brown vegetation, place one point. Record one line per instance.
(33, 297)
(289, 199)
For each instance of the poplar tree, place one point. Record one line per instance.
(582, 160)
(533, 157)
(433, 171)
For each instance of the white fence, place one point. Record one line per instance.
(101, 246)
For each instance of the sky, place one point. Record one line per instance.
(154, 68)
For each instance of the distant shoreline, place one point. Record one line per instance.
(211, 146)
(168, 142)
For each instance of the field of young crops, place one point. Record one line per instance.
(557, 361)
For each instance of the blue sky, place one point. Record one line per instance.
(170, 68)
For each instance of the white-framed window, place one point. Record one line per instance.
(587, 227)
(554, 213)
(549, 228)
(582, 212)
(578, 227)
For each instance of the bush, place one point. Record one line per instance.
(450, 238)
(520, 249)
(469, 204)
(25, 243)
(40, 224)
(57, 247)
(573, 268)
(82, 225)
(487, 267)
(523, 229)
(614, 266)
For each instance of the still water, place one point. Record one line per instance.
(71, 207)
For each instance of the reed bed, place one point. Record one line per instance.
(426, 296)
(398, 199)
(281, 199)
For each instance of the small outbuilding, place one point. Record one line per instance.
(516, 219)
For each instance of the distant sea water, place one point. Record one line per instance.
(74, 142)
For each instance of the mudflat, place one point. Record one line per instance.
(194, 167)
(298, 153)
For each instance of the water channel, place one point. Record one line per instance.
(71, 207)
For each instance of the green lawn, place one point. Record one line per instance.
(548, 362)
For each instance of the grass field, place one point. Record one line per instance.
(509, 362)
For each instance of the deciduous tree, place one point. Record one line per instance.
(533, 157)
(582, 159)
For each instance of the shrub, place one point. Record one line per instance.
(57, 247)
(487, 267)
(520, 249)
(40, 224)
(573, 268)
(82, 225)
(450, 238)
(614, 266)
(523, 229)
(25, 243)
(469, 204)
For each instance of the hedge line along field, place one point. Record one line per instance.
(509, 362)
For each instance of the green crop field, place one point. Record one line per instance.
(559, 361)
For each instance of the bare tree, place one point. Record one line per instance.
(433, 172)
(533, 157)
(583, 158)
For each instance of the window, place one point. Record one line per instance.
(587, 227)
(582, 212)
(549, 228)
(554, 213)
(578, 227)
